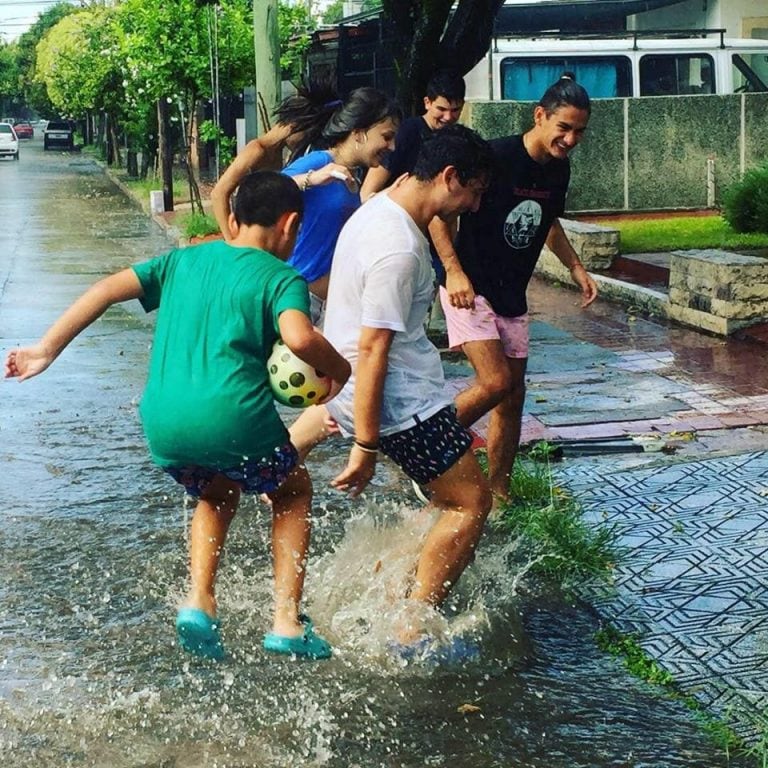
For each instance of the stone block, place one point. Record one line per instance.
(596, 246)
(731, 287)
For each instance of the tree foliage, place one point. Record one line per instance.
(295, 25)
(10, 82)
(33, 91)
(78, 61)
(428, 37)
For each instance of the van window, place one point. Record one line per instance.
(604, 77)
(675, 74)
(750, 72)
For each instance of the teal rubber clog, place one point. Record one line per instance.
(308, 645)
(199, 634)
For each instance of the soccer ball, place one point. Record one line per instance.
(293, 382)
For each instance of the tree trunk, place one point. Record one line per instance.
(114, 141)
(427, 41)
(165, 150)
(132, 163)
(194, 188)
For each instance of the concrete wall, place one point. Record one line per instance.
(651, 153)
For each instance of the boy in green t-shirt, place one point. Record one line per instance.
(207, 410)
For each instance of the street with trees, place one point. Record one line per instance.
(143, 76)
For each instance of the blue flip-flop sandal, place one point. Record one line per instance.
(199, 633)
(308, 644)
(457, 651)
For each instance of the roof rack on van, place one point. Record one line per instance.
(633, 34)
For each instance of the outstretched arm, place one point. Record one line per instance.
(461, 294)
(261, 153)
(375, 180)
(558, 243)
(26, 362)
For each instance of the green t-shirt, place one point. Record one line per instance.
(208, 401)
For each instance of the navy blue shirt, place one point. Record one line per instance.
(411, 134)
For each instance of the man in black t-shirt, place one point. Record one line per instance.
(488, 268)
(442, 106)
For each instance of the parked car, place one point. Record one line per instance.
(9, 141)
(58, 133)
(24, 130)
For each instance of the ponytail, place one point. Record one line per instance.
(566, 92)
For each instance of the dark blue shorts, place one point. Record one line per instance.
(259, 476)
(430, 448)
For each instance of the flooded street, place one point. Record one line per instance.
(94, 564)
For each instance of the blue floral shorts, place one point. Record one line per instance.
(260, 476)
(430, 448)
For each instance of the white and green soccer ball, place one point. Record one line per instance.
(293, 382)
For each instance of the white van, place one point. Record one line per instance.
(615, 65)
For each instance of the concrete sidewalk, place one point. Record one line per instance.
(664, 437)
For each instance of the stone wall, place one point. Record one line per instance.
(650, 153)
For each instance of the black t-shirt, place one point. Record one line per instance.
(410, 135)
(499, 245)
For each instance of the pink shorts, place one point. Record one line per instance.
(483, 324)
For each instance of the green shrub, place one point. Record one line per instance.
(200, 225)
(745, 203)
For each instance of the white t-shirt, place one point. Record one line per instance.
(382, 278)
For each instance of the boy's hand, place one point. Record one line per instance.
(336, 387)
(26, 362)
(360, 469)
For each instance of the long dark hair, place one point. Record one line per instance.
(363, 108)
(307, 112)
(566, 92)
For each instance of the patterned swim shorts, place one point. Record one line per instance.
(430, 448)
(259, 476)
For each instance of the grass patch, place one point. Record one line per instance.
(142, 187)
(640, 665)
(561, 546)
(683, 233)
(199, 225)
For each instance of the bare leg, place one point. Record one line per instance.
(310, 429)
(504, 430)
(210, 523)
(462, 492)
(291, 506)
(491, 384)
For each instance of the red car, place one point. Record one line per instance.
(24, 130)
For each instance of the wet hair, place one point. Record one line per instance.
(264, 196)
(363, 108)
(566, 92)
(458, 146)
(307, 112)
(446, 83)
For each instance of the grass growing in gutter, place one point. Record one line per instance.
(682, 233)
(562, 547)
(639, 664)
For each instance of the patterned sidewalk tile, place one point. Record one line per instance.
(690, 581)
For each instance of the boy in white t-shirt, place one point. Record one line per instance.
(381, 288)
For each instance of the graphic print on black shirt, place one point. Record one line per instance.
(498, 246)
